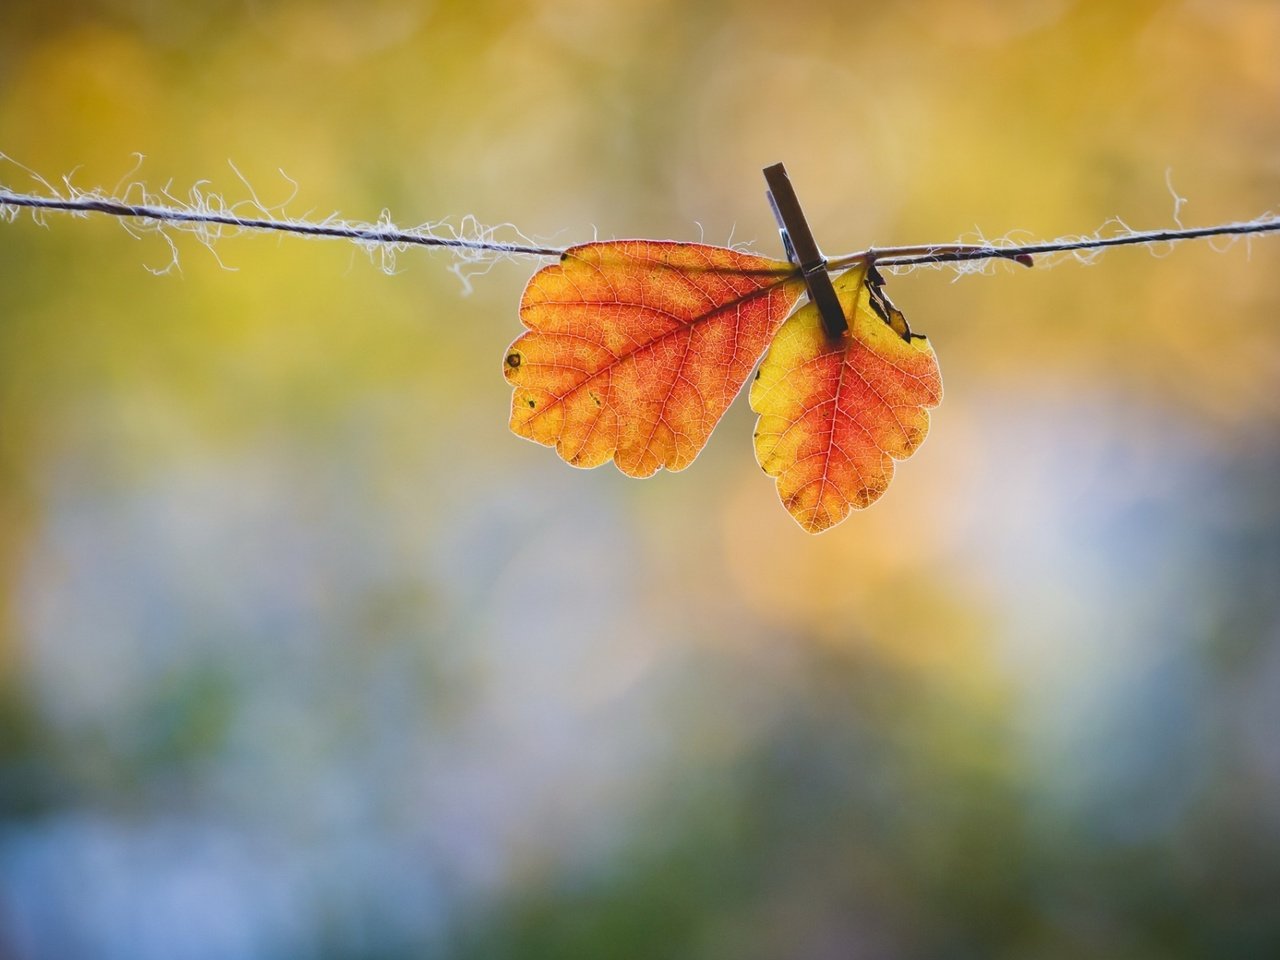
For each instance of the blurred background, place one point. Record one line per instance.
(303, 654)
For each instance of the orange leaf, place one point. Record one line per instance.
(834, 415)
(636, 348)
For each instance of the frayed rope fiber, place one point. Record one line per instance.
(200, 216)
(364, 233)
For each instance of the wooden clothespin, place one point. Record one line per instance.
(802, 249)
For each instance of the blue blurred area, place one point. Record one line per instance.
(268, 716)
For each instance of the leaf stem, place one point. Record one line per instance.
(927, 253)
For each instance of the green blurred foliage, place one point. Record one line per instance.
(304, 655)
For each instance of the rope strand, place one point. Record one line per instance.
(371, 233)
(885, 255)
(367, 233)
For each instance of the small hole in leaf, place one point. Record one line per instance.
(531, 404)
(513, 360)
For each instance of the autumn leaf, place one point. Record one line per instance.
(635, 348)
(835, 414)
